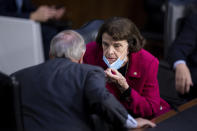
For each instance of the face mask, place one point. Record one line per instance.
(116, 65)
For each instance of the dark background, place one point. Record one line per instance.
(145, 14)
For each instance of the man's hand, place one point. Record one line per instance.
(183, 79)
(59, 13)
(116, 77)
(43, 14)
(141, 122)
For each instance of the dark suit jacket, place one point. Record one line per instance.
(9, 8)
(185, 46)
(59, 95)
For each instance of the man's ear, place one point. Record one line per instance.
(81, 58)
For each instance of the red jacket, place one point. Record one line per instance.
(141, 76)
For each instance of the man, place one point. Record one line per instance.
(183, 57)
(48, 16)
(62, 93)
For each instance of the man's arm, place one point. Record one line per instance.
(104, 104)
(144, 123)
(41, 14)
(185, 42)
(180, 50)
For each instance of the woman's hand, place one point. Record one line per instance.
(116, 77)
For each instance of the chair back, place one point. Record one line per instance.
(176, 11)
(90, 30)
(10, 111)
(17, 104)
(20, 44)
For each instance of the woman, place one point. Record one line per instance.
(130, 70)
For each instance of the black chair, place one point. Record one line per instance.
(166, 79)
(10, 111)
(90, 30)
(17, 104)
(176, 11)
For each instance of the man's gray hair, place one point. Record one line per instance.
(69, 44)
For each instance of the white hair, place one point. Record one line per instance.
(69, 44)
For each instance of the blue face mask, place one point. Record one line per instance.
(116, 65)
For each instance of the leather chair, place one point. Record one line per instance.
(11, 110)
(90, 30)
(176, 11)
(16, 88)
(20, 44)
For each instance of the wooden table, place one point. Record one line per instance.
(172, 115)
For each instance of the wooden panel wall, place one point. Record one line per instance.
(82, 11)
